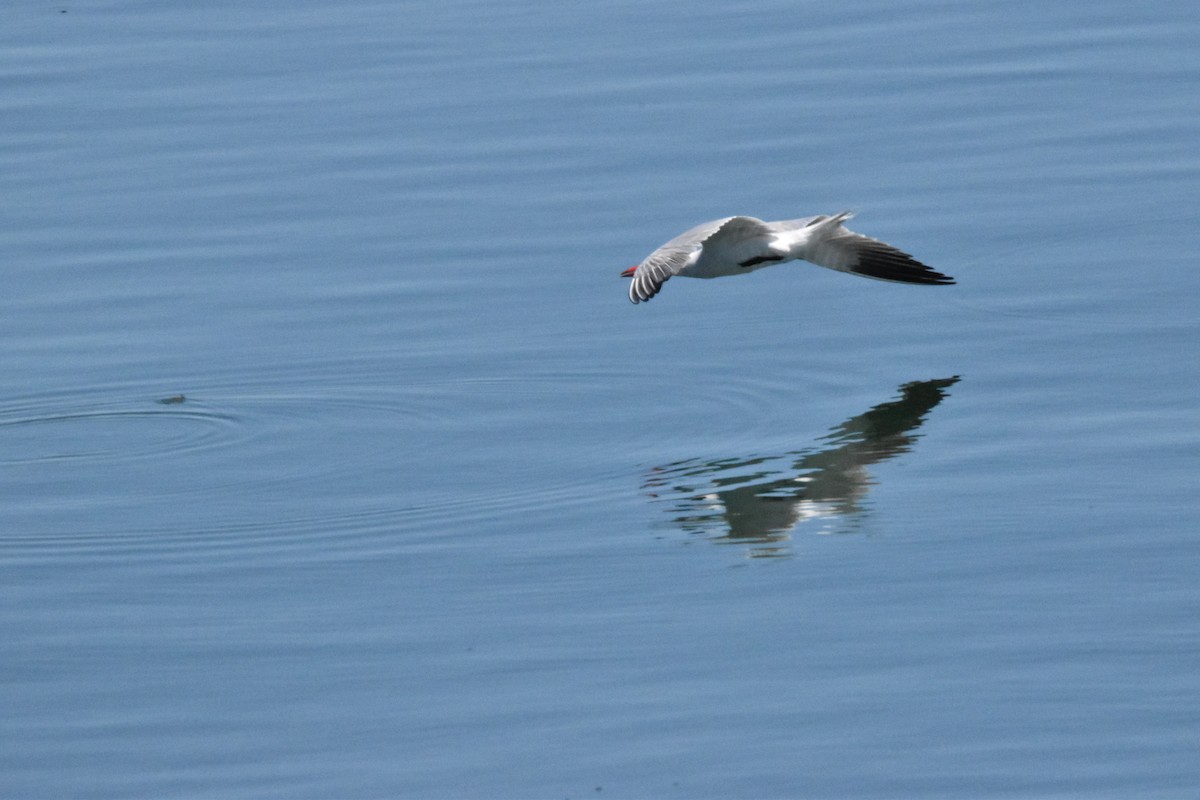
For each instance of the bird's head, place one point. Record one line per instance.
(629, 272)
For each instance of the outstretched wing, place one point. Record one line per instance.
(685, 249)
(658, 267)
(823, 241)
(871, 258)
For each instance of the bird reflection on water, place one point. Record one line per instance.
(758, 500)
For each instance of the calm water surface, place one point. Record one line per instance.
(335, 462)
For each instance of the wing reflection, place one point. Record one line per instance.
(759, 500)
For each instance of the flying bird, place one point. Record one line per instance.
(737, 245)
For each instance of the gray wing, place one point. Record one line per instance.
(658, 268)
(835, 247)
(682, 251)
(861, 255)
(883, 262)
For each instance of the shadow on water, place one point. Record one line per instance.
(759, 500)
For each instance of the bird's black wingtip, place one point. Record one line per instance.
(886, 263)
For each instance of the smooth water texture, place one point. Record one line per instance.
(336, 463)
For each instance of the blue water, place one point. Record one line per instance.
(334, 461)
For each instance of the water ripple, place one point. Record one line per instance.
(84, 429)
(227, 475)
